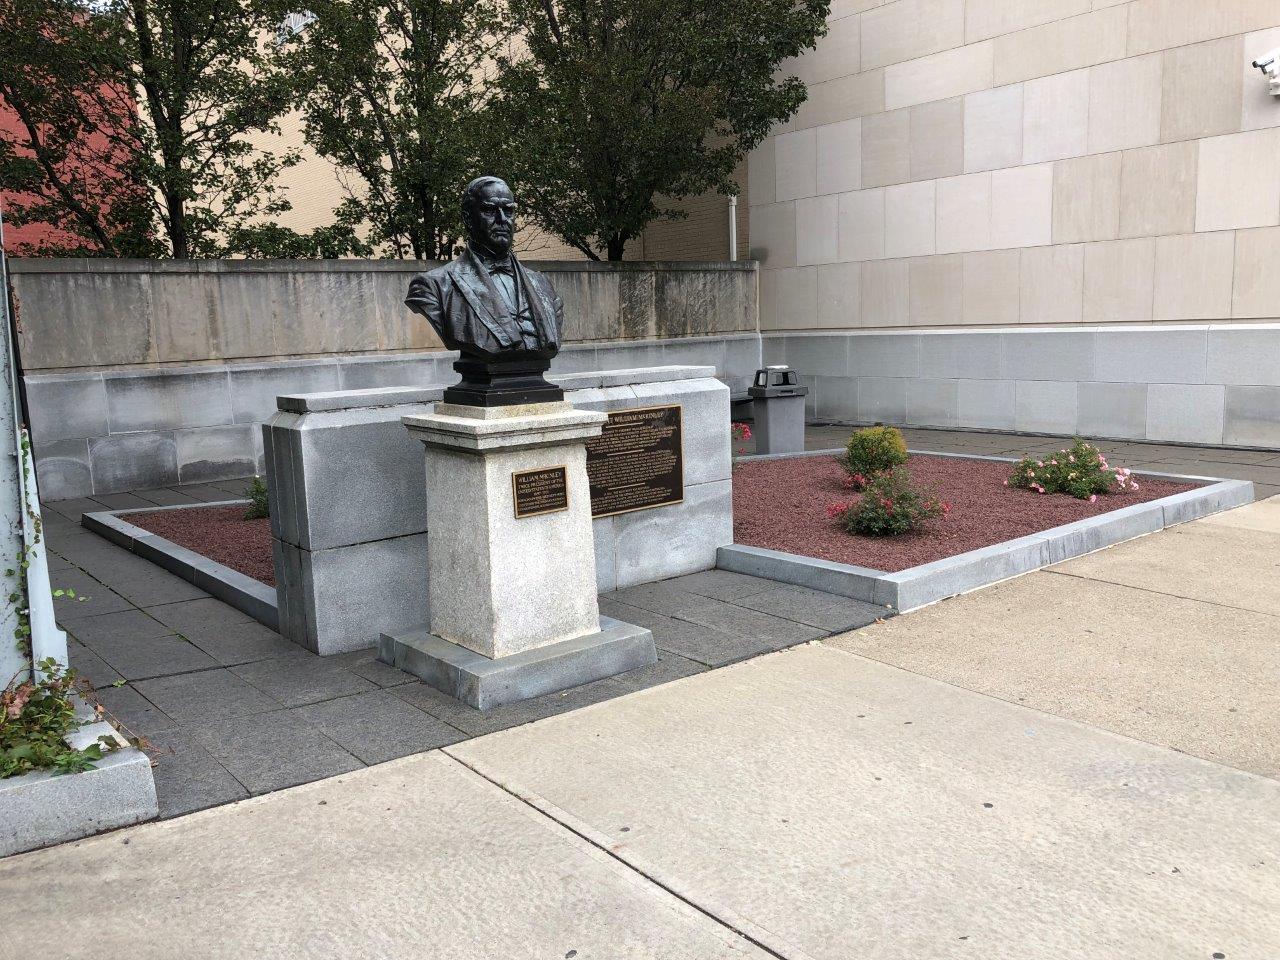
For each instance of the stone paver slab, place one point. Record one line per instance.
(193, 616)
(295, 681)
(378, 726)
(195, 698)
(130, 709)
(271, 751)
(141, 658)
(413, 859)
(844, 808)
(188, 778)
(1215, 563)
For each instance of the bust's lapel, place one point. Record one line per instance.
(544, 313)
(476, 286)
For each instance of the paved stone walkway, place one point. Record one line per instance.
(230, 709)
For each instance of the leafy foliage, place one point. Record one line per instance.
(207, 84)
(36, 716)
(872, 451)
(1080, 470)
(611, 108)
(140, 118)
(71, 159)
(394, 93)
(890, 505)
(259, 505)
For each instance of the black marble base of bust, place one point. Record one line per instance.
(502, 383)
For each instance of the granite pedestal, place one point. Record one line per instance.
(511, 599)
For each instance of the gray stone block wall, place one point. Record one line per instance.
(348, 489)
(1204, 384)
(82, 314)
(108, 432)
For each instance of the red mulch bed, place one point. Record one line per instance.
(219, 533)
(777, 504)
(782, 505)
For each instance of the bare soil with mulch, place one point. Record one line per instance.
(782, 505)
(219, 533)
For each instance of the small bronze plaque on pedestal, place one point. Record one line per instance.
(637, 462)
(540, 491)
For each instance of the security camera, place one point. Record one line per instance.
(1269, 64)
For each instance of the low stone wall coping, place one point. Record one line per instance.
(357, 399)
(123, 266)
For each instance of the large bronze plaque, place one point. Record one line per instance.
(637, 462)
(540, 491)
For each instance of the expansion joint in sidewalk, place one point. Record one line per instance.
(631, 867)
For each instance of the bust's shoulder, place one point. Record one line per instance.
(437, 275)
(538, 278)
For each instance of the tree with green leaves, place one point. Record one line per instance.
(69, 153)
(393, 92)
(618, 106)
(192, 82)
(205, 82)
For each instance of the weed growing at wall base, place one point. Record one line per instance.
(36, 717)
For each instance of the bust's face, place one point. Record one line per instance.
(492, 223)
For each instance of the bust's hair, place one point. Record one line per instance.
(471, 193)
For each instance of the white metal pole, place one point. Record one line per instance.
(733, 226)
(47, 641)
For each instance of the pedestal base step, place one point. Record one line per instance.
(483, 683)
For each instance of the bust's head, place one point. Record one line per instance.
(489, 213)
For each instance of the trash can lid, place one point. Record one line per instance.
(776, 381)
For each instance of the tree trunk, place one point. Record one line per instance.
(178, 238)
(616, 246)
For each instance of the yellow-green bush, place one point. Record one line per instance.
(872, 451)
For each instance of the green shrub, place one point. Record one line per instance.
(890, 505)
(872, 451)
(36, 716)
(1079, 470)
(259, 507)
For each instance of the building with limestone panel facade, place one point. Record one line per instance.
(1058, 216)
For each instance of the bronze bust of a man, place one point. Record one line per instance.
(504, 319)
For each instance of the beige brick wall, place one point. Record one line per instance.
(998, 162)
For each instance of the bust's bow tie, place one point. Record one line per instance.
(500, 266)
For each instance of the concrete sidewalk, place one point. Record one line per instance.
(811, 804)
(1172, 638)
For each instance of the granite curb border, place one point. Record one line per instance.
(40, 808)
(230, 586)
(918, 586)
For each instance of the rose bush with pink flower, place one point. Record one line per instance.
(1080, 470)
(891, 504)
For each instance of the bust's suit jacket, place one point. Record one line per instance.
(464, 306)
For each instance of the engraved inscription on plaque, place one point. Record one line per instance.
(540, 491)
(637, 462)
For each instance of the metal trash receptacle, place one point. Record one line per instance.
(778, 407)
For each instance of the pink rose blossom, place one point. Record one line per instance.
(1093, 498)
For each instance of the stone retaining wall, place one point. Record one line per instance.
(1217, 385)
(92, 314)
(111, 431)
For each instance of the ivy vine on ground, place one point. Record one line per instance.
(36, 717)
